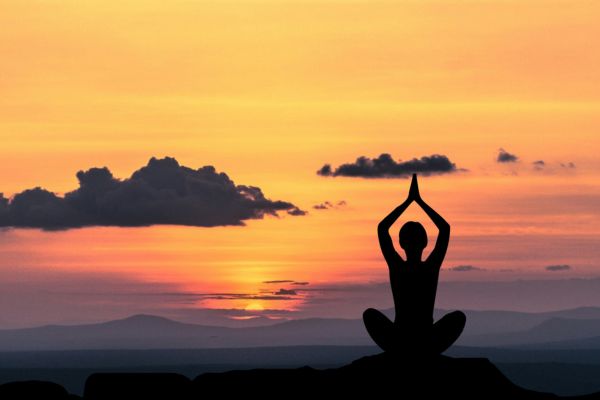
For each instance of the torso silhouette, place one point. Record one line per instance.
(414, 287)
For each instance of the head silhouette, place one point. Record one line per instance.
(413, 237)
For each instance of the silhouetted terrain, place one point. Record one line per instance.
(368, 377)
(376, 376)
(556, 352)
(566, 372)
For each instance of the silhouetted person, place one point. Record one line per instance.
(414, 286)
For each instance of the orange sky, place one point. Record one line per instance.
(268, 92)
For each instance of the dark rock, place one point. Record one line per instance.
(379, 375)
(383, 375)
(30, 390)
(108, 386)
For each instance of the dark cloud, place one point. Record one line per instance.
(465, 268)
(244, 296)
(327, 205)
(540, 165)
(323, 206)
(285, 292)
(385, 167)
(325, 170)
(560, 267)
(162, 192)
(274, 297)
(504, 156)
(286, 281)
(567, 165)
(296, 211)
(349, 287)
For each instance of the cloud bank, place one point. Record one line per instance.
(285, 292)
(465, 268)
(561, 267)
(162, 192)
(384, 166)
(301, 283)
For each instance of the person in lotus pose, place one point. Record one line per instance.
(414, 286)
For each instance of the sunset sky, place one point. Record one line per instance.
(268, 92)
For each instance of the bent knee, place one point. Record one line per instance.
(458, 317)
(373, 316)
(369, 313)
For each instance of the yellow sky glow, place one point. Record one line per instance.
(269, 91)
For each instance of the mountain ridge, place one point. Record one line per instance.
(146, 331)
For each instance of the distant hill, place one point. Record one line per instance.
(151, 332)
(498, 321)
(585, 344)
(484, 328)
(549, 331)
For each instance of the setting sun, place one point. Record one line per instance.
(254, 307)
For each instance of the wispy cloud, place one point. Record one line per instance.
(465, 268)
(558, 267)
(285, 281)
(329, 205)
(285, 292)
(539, 164)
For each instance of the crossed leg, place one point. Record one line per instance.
(446, 330)
(393, 337)
(380, 328)
(389, 337)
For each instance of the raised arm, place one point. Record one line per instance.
(441, 245)
(385, 241)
